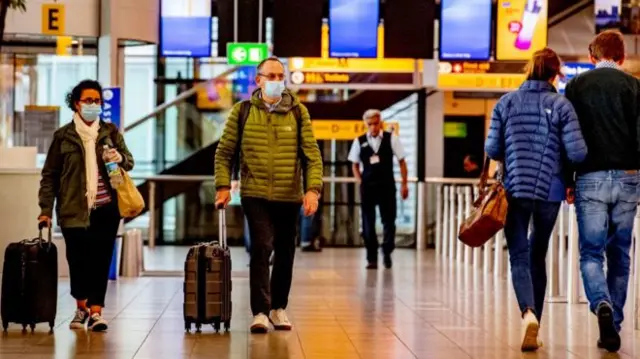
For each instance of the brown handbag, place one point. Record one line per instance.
(489, 212)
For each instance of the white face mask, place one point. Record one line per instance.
(274, 89)
(90, 112)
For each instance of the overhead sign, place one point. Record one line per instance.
(63, 45)
(571, 70)
(53, 19)
(346, 129)
(323, 78)
(521, 28)
(244, 53)
(111, 106)
(317, 64)
(480, 76)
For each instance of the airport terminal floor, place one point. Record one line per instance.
(421, 308)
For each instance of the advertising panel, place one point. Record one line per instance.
(521, 28)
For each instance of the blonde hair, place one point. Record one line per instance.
(544, 65)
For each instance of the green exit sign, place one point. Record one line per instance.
(245, 53)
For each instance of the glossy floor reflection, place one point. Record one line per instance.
(419, 309)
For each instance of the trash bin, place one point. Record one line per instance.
(132, 255)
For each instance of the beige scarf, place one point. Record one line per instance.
(89, 135)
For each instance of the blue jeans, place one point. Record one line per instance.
(528, 251)
(306, 229)
(606, 203)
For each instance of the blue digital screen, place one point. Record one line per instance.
(353, 28)
(571, 70)
(465, 30)
(185, 28)
(185, 36)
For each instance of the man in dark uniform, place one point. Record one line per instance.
(375, 150)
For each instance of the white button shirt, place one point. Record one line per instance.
(374, 142)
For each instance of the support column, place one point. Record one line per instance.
(433, 148)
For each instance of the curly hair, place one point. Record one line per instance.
(75, 94)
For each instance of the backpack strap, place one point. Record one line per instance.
(243, 115)
(303, 159)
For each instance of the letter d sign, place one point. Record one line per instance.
(53, 19)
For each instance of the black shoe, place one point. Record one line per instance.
(609, 337)
(388, 263)
(372, 265)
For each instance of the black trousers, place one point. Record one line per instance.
(89, 254)
(384, 197)
(272, 227)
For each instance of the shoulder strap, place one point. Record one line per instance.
(243, 115)
(303, 159)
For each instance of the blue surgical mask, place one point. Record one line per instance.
(90, 112)
(274, 89)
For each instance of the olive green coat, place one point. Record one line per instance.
(270, 167)
(63, 175)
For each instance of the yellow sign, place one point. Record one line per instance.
(317, 64)
(53, 19)
(521, 28)
(346, 129)
(480, 81)
(63, 45)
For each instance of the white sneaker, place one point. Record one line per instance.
(260, 324)
(97, 323)
(530, 328)
(280, 320)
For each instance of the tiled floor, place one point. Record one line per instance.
(419, 309)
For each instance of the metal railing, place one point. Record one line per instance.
(154, 180)
(179, 99)
(454, 201)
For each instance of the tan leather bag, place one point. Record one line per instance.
(130, 201)
(489, 212)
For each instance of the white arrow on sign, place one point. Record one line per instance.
(239, 54)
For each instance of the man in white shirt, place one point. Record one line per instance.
(375, 150)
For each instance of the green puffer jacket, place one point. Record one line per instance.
(63, 175)
(270, 167)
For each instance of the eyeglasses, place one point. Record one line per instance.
(273, 77)
(91, 101)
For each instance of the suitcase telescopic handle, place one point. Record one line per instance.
(222, 226)
(43, 225)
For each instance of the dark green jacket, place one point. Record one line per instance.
(270, 167)
(63, 176)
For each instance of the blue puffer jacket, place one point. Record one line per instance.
(534, 130)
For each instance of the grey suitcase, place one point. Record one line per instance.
(207, 283)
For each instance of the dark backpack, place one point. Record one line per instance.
(243, 115)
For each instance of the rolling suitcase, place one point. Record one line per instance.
(30, 283)
(207, 283)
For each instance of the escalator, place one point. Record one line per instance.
(560, 10)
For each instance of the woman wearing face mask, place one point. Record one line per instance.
(75, 177)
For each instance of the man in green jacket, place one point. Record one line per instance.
(276, 159)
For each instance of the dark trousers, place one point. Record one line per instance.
(272, 227)
(383, 196)
(528, 251)
(89, 254)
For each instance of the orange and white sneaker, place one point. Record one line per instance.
(280, 320)
(530, 328)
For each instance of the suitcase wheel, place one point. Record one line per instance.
(198, 328)
(187, 326)
(24, 328)
(227, 325)
(5, 326)
(216, 326)
(51, 325)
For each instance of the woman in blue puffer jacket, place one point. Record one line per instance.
(535, 133)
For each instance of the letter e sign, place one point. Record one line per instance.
(53, 19)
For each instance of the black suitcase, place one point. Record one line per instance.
(207, 283)
(30, 283)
